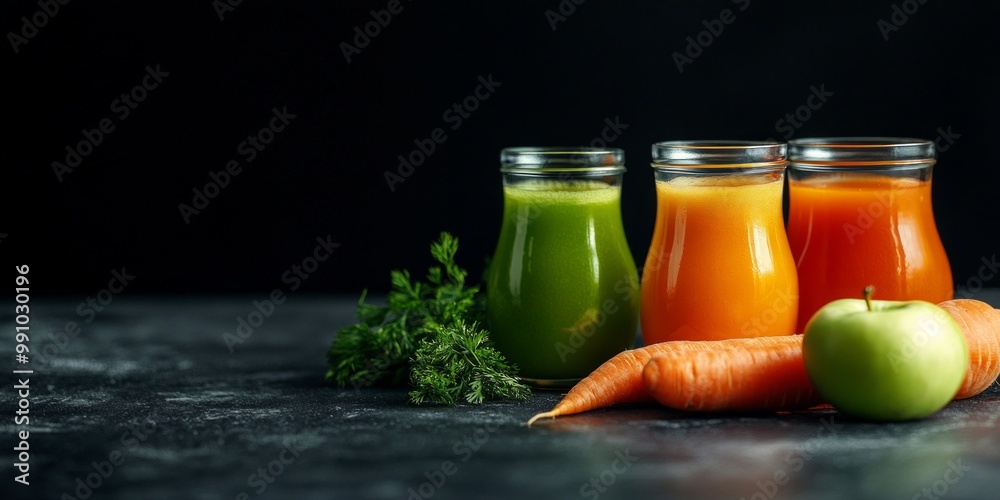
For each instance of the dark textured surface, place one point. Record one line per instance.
(220, 416)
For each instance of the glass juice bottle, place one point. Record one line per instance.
(719, 265)
(860, 214)
(562, 288)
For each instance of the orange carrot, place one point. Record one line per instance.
(755, 374)
(767, 377)
(619, 379)
(981, 325)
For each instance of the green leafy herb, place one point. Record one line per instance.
(421, 317)
(458, 364)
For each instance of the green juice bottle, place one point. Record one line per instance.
(562, 289)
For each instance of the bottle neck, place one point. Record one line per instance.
(860, 173)
(718, 177)
(561, 180)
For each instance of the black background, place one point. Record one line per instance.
(324, 174)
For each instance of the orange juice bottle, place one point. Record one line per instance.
(719, 265)
(860, 214)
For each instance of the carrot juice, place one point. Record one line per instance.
(719, 265)
(853, 225)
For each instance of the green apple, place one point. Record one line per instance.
(885, 360)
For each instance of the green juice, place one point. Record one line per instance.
(562, 289)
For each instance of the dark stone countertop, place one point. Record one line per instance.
(149, 395)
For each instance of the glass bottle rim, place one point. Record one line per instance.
(550, 159)
(717, 155)
(861, 153)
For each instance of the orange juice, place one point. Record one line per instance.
(719, 265)
(860, 214)
(856, 229)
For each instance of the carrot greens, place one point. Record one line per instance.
(426, 334)
(458, 364)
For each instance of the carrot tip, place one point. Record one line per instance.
(541, 415)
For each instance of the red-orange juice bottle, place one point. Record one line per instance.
(719, 265)
(860, 214)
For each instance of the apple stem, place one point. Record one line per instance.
(868, 291)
